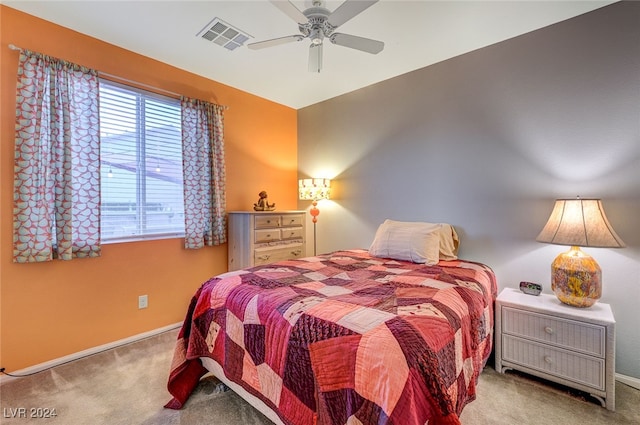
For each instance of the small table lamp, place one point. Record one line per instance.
(315, 190)
(576, 278)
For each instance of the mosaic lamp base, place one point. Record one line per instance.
(576, 278)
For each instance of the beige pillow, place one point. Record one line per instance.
(449, 242)
(416, 242)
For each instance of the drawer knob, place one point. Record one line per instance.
(548, 359)
(549, 330)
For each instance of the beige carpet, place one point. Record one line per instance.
(127, 385)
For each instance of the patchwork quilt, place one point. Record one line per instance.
(344, 338)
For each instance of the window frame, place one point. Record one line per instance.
(142, 174)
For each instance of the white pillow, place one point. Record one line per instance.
(416, 242)
(448, 238)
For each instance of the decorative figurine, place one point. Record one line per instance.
(263, 203)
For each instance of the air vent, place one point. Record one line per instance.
(223, 34)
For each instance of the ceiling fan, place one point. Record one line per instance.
(317, 23)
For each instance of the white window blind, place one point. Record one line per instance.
(141, 164)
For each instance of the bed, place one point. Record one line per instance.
(348, 337)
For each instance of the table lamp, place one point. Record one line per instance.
(576, 278)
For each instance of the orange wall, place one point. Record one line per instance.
(49, 310)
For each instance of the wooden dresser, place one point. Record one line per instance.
(543, 337)
(257, 237)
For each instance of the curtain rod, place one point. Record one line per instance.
(125, 80)
(118, 79)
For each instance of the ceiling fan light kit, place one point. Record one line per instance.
(317, 23)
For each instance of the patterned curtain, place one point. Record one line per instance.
(57, 158)
(204, 173)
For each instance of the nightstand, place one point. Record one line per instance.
(541, 336)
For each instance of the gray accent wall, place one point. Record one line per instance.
(486, 141)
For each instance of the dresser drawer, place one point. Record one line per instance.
(266, 221)
(267, 235)
(292, 220)
(291, 233)
(582, 369)
(270, 255)
(584, 337)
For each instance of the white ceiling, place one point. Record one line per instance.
(416, 34)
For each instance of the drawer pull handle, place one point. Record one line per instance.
(269, 235)
(264, 257)
(548, 330)
(296, 252)
(548, 359)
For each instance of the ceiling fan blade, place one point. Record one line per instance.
(359, 43)
(274, 42)
(315, 57)
(348, 10)
(290, 10)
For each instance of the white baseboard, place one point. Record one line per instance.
(629, 380)
(94, 350)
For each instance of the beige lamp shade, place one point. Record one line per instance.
(579, 222)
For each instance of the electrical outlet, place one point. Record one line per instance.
(143, 301)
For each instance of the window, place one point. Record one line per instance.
(141, 164)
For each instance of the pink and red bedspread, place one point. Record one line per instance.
(344, 338)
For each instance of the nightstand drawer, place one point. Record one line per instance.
(585, 370)
(270, 255)
(578, 336)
